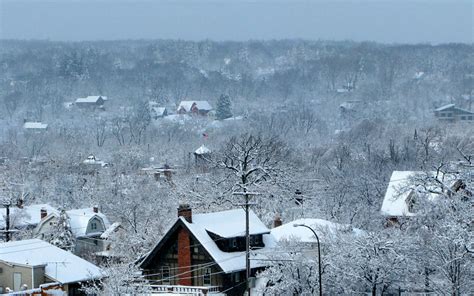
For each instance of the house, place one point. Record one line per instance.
(87, 225)
(25, 217)
(451, 113)
(93, 161)
(194, 107)
(405, 189)
(37, 127)
(208, 250)
(92, 102)
(302, 234)
(106, 254)
(158, 112)
(31, 263)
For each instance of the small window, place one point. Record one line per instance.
(93, 225)
(207, 277)
(165, 275)
(196, 250)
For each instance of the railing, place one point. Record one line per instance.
(185, 290)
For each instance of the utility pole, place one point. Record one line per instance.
(247, 243)
(7, 205)
(246, 206)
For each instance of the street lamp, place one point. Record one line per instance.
(319, 255)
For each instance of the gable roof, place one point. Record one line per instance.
(202, 150)
(90, 99)
(231, 224)
(79, 220)
(60, 265)
(159, 111)
(201, 105)
(322, 227)
(26, 216)
(401, 186)
(453, 107)
(35, 125)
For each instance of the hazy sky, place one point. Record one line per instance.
(400, 21)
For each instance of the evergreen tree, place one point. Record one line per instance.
(62, 236)
(223, 110)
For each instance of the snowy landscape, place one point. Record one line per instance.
(263, 167)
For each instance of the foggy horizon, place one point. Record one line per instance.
(404, 22)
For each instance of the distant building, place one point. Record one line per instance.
(35, 126)
(91, 102)
(158, 112)
(30, 264)
(451, 113)
(194, 107)
(93, 161)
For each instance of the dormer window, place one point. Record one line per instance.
(94, 225)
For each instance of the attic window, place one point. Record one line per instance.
(207, 277)
(93, 225)
(165, 275)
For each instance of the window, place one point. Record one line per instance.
(196, 250)
(93, 225)
(165, 275)
(207, 277)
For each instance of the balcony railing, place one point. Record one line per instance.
(186, 290)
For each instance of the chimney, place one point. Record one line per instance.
(19, 203)
(43, 213)
(95, 209)
(184, 210)
(184, 248)
(277, 221)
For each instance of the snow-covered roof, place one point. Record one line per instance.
(322, 227)
(90, 99)
(445, 107)
(112, 228)
(230, 224)
(35, 125)
(201, 105)
(60, 265)
(202, 150)
(26, 216)
(91, 159)
(418, 75)
(79, 220)
(400, 188)
(159, 111)
(227, 224)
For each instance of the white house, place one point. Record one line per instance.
(31, 263)
(87, 225)
(25, 217)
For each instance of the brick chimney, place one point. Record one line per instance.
(95, 209)
(184, 210)
(184, 258)
(184, 248)
(277, 221)
(43, 213)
